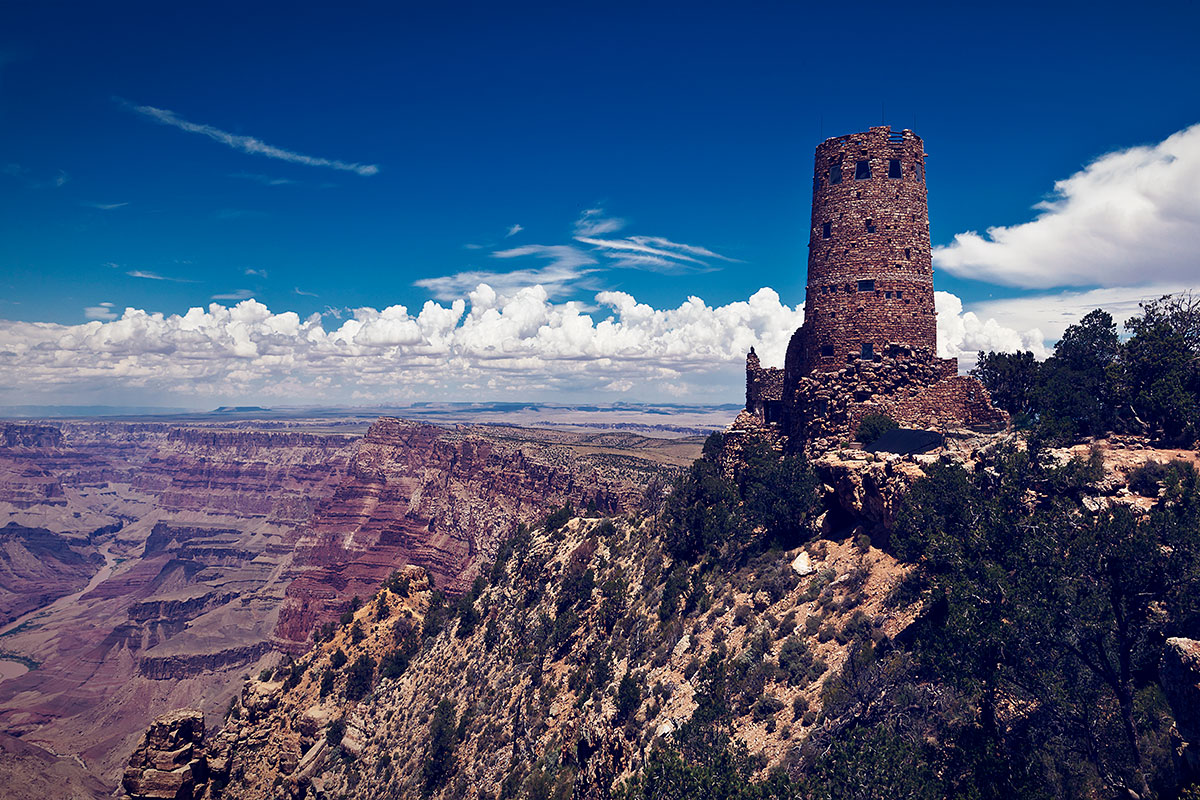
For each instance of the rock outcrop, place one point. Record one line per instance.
(1180, 675)
(170, 763)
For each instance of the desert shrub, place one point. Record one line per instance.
(767, 706)
(795, 661)
(629, 697)
(326, 686)
(872, 426)
(338, 659)
(359, 677)
(1147, 479)
(356, 633)
(335, 732)
(558, 517)
(742, 613)
(439, 757)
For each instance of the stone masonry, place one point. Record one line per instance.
(869, 339)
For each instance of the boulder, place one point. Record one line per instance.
(803, 564)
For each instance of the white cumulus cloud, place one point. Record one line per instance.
(484, 344)
(1129, 217)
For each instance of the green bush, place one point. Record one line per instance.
(359, 677)
(872, 426)
(439, 757)
(1146, 479)
(629, 697)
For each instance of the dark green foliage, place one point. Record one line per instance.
(872, 426)
(397, 583)
(436, 615)
(702, 513)
(1010, 379)
(768, 504)
(557, 518)
(468, 616)
(326, 686)
(338, 659)
(360, 677)
(1054, 608)
(1147, 479)
(797, 664)
(876, 764)
(439, 758)
(1159, 369)
(335, 732)
(778, 492)
(356, 633)
(629, 697)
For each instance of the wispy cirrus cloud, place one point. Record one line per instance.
(577, 266)
(248, 144)
(105, 206)
(258, 273)
(154, 276)
(265, 180)
(514, 230)
(595, 222)
(303, 293)
(239, 294)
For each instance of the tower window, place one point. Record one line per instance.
(908, 252)
(827, 230)
(894, 168)
(920, 171)
(870, 226)
(826, 350)
(862, 170)
(866, 286)
(835, 174)
(868, 350)
(899, 294)
(887, 295)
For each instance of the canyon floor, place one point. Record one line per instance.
(150, 564)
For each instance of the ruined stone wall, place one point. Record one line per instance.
(870, 274)
(764, 389)
(915, 390)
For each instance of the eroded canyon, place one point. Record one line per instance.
(151, 565)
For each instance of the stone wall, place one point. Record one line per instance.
(916, 391)
(764, 389)
(870, 274)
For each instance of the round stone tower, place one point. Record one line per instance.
(870, 275)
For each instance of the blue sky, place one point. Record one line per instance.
(413, 143)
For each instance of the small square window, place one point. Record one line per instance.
(862, 170)
(887, 295)
(870, 226)
(894, 168)
(868, 350)
(827, 230)
(826, 350)
(866, 286)
(908, 252)
(835, 174)
(899, 294)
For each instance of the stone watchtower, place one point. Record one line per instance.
(868, 344)
(870, 273)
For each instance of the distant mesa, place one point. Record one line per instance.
(241, 410)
